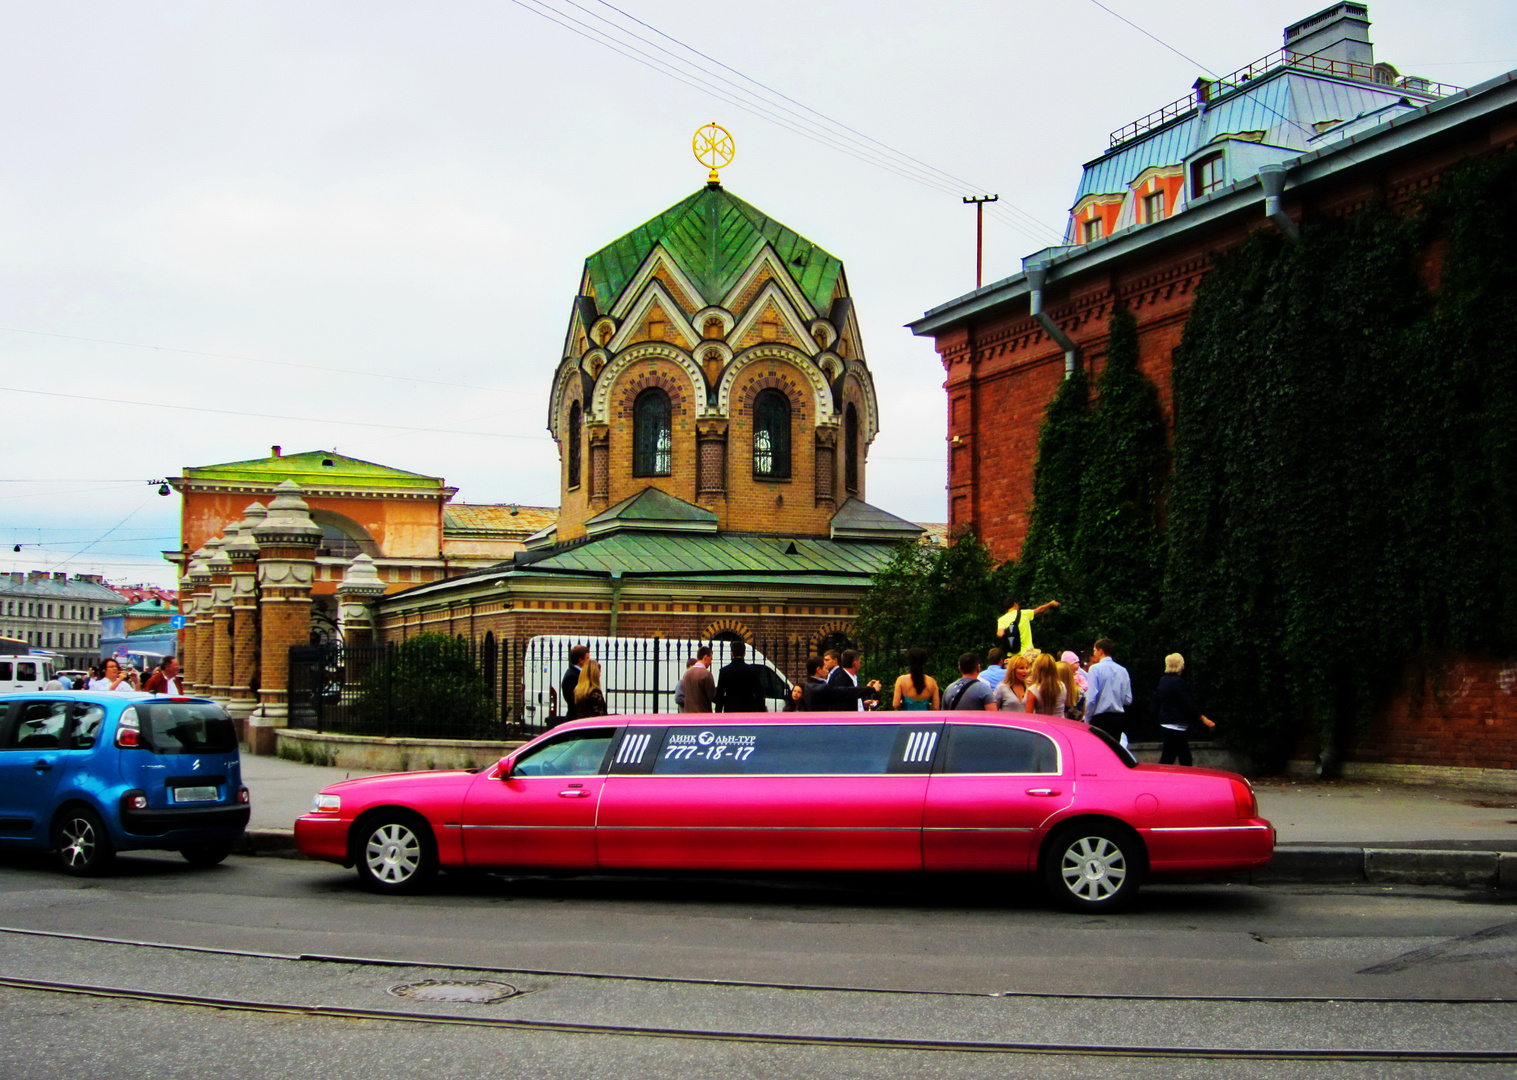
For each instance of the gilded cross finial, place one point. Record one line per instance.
(714, 149)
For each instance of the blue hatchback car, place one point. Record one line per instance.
(86, 775)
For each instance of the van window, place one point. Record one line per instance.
(981, 748)
(26, 671)
(187, 728)
(5, 670)
(777, 750)
(578, 753)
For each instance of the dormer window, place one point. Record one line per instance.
(1207, 175)
(1090, 231)
(1153, 207)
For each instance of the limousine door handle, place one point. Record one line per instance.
(1045, 792)
(573, 793)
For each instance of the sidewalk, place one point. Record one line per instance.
(1326, 831)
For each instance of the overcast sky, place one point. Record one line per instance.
(383, 209)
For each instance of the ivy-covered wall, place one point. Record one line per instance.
(1344, 471)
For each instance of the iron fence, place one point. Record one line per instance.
(504, 689)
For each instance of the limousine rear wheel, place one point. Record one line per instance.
(395, 852)
(1093, 867)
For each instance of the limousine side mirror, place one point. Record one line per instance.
(507, 763)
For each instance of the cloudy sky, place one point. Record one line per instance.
(359, 226)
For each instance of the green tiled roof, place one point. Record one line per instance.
(713, 236)
(651, 508)
(310, 468)
(653, 554)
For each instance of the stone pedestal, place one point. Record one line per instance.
(287, 540)
(242, 551)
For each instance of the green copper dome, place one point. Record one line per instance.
(714, 237)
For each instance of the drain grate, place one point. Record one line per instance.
(458, 993)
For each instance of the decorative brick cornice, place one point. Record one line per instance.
(773, 381)
(678, 403)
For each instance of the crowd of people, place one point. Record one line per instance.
(110, 674)
(1018, 678)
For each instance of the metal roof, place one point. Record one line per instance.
(507, 518)
(713, 236)
(311, 468)
(644, 554)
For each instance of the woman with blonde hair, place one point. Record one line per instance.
(1011, 690)
(1178, 712)
(1045, 693)
(589, 699)
(1074, 697)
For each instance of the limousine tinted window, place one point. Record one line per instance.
(578, 753)
(981, 748)
(774, 749)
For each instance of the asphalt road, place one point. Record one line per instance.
(275, 976)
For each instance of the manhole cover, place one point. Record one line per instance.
(468, 993)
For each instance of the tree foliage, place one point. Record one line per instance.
(432, 681)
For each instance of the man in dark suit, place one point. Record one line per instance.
(844, 692)
(738, 688)
(577, 657)
(803, 694)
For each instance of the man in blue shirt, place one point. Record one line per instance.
(1110, 691)
(993, 674)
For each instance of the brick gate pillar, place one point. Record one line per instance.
(220, 567)
(360, 587)
(287, 540)
(195, 666)
(242, 550)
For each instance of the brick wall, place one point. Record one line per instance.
(1461, 714)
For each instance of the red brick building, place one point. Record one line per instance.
(1317, 130)
(1313, 131)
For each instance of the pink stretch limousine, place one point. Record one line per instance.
(844, 791)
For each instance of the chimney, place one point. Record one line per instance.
(36, 575)
(274, 450)
(1341, 32)
(61, 577)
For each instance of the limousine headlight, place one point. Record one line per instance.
(326, 804)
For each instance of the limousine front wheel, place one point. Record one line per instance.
(396, 852)
(1093, 867)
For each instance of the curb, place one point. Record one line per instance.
(1304, 864)
(1355, 865)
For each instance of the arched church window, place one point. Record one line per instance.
(574, 444)
(851, 448)
(771, 435)
(652, 439)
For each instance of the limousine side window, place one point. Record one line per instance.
(578, 753)
(982, 748)
(776, 750)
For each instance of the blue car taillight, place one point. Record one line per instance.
(134, 800)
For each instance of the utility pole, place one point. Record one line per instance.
(979, 232)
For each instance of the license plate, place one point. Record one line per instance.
(193, 794)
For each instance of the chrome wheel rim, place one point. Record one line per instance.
(393, 854)
(1093, 868)
(79, 842)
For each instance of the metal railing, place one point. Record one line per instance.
(1379, 75)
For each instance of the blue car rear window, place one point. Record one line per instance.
(187, 728)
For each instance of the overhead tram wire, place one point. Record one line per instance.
(272, 416)
(257, 360)
(755, 106)
(1266, 106)
(838, 124)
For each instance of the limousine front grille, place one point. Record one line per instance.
(919, 747)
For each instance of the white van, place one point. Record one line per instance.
(639, 675)
(24, 674)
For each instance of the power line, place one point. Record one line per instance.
(960, 181)
(102, 538)
(901, 165)
(269, 416)
(257, 360)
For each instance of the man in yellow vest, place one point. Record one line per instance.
(1016, 626)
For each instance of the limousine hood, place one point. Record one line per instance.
(383, 780)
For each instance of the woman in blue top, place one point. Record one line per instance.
(916, 691)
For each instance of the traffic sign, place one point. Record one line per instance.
(178, 622)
